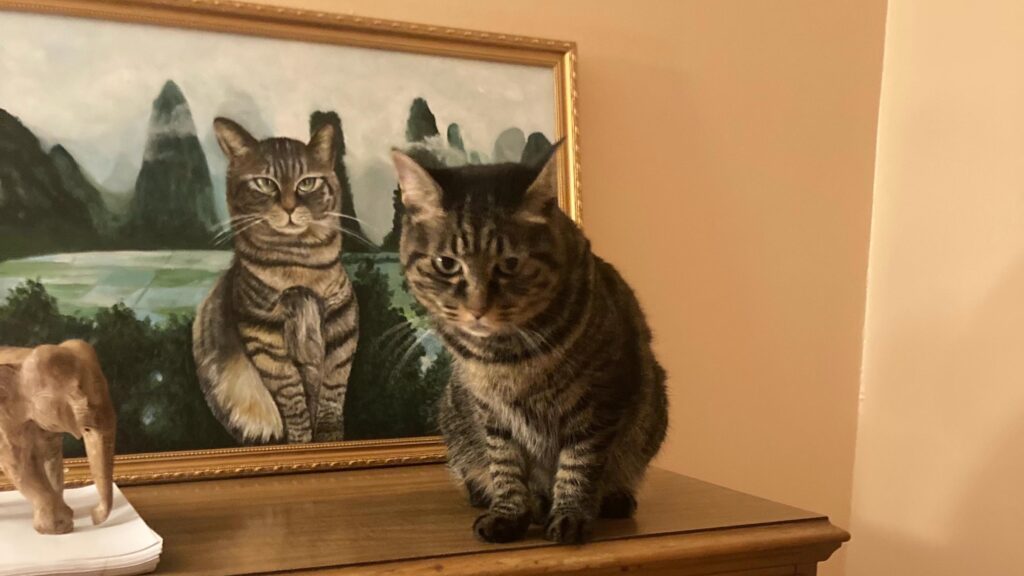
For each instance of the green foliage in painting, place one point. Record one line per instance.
(432, 386)
(149, 368)
(388, 395)
(152, 374)
(30, 317)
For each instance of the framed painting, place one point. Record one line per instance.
(120, 126)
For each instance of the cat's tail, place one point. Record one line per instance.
(232, 386)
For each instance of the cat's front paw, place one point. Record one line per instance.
(491, 527)
(618, 504)
(568, 527)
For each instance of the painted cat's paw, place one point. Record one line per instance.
(618, 504)
(491, 527)
(59, 520)
(568, 527)
(328, 434)
(252, 413)
(299, 436)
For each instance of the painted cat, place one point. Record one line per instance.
(275, 338)
(556, 403)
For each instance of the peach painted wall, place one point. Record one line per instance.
(940, 451)
(728, 151)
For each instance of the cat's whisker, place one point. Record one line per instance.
(259, 220)
(223, 233)
(235, 220)
(407, 354)
(393, 345)
(344, 231)
(394, 329)
(359, 236)
(531, 342)
(541, 338)
(361, 222)
(222, 236)
(230, 224)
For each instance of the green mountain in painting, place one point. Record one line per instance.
(355, 239)
(421, 124)
(173, 202)
(37, 212)
(81, 187)
(455, 137)
(390, 241)
(509, 146)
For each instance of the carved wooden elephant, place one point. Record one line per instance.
(45, 392)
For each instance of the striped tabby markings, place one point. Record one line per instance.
(286, 297)
(551, 351)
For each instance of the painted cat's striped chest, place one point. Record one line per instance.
(323, 282)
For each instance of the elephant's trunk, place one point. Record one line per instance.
(99, 447)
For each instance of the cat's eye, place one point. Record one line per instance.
(265, 185)
(508, 266)
(310, 184)
(447, 265)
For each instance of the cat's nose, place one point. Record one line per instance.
(477, 312)
(476, 304)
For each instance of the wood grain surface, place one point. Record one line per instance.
(413, 519)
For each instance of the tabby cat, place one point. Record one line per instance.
(556, 403)
(274, 340)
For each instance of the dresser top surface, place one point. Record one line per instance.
(365, 517)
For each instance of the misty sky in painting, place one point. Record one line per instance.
(90, 85)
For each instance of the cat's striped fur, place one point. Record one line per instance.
(556, 403)
(275, 338)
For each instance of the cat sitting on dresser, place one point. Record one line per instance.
(556, 403)
(275, 338)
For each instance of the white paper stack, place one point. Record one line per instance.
(121, 546)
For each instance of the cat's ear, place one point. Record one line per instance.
(233, 139)
(542, 195)
(323, 144)
(421, 195)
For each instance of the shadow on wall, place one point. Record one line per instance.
(985, 534)
(976, 381)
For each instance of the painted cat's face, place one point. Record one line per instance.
(480, 246)
(280, 186)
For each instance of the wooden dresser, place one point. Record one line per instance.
(412, 520)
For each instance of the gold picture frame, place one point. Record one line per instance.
(220, 16)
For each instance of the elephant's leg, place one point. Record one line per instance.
(53, 460)
(8, 465)
(51, 514)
